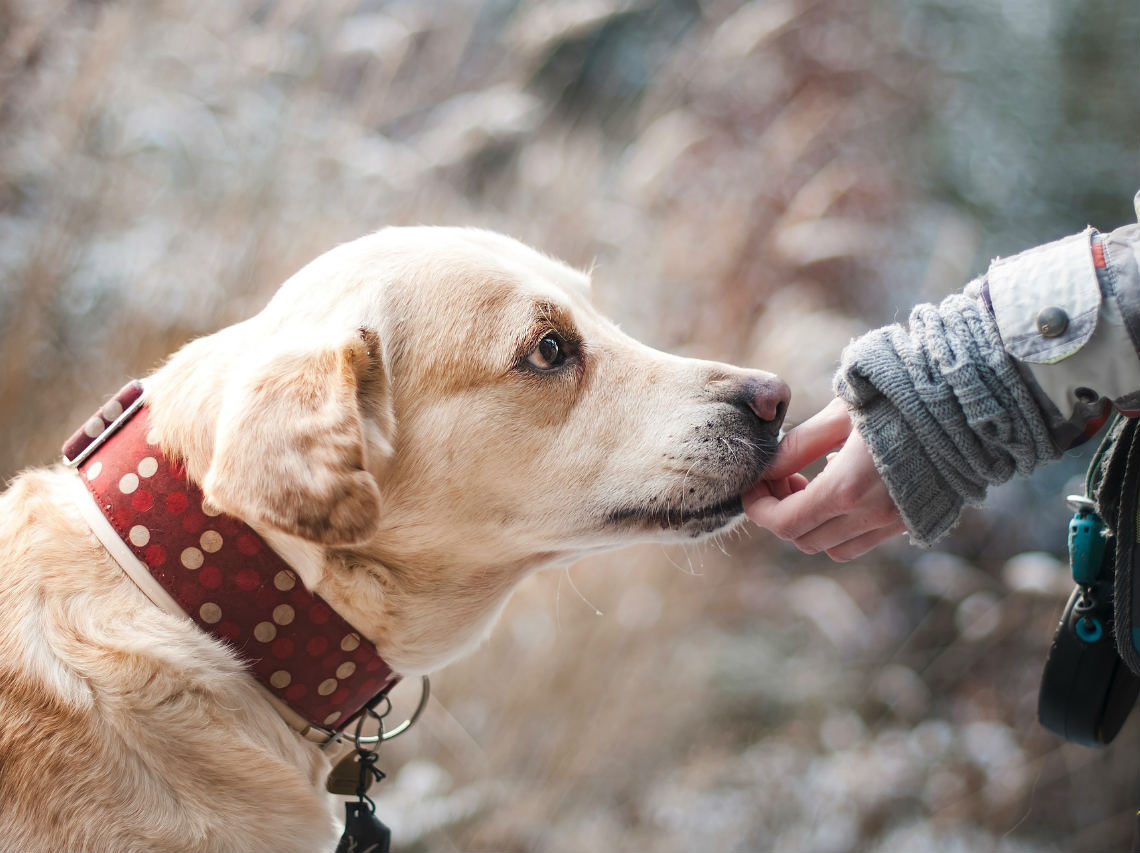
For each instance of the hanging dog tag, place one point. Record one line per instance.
(363, 832)
(345, 778)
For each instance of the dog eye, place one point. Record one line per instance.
(550, 352)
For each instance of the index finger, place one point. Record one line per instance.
(815, 437)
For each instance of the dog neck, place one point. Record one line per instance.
(221, 574)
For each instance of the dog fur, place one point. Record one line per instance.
(393, 425)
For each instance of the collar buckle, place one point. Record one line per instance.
(103, 424)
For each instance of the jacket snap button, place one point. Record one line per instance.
(1052, 322)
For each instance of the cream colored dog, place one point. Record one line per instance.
(416, 421)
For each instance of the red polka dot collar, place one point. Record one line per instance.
(222, 575)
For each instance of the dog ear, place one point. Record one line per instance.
(294, 440)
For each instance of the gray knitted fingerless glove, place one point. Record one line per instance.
(944, 411)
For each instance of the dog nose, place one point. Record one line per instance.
(768, 398)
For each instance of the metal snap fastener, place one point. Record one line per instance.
(1052, 321)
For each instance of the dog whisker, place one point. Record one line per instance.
(574, 586)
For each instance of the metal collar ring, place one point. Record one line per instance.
(365, 740)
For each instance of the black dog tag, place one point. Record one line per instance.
(363, 832)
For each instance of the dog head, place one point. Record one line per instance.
(431, 413)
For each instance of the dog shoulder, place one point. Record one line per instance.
(125, 712)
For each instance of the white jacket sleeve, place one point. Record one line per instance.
(1069, 313)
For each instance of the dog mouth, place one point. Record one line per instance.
(695, 520)
(708, 497)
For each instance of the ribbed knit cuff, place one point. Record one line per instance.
(930, 506)
(944, 411)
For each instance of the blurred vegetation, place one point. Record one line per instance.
(754, 182)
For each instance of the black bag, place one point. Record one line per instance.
(1092, 674)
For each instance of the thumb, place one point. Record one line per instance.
(815, 437)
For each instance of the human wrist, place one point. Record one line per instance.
(928, 504)
(943, 410)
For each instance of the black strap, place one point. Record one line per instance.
(1114, 480)
(1106, 471)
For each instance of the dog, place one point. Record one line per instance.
(415, 422)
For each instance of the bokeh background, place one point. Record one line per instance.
(754, 182)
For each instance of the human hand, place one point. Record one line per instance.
(845, 511)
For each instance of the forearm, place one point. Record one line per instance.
(944, 411)
(982, 387)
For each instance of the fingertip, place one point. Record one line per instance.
(782, 488)
(785, 462)
(759, 507)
